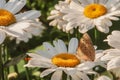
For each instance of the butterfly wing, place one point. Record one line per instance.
(85, 49)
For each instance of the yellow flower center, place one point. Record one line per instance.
(94, 10)
(6, 18)
(65, 60)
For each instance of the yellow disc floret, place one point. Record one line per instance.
(65, 60)
(6, 18)
(94, 10)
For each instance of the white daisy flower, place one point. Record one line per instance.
(87, 14)
(112, 56)
(58, 59)
(35, 29)
(13, 23)
(57, 16)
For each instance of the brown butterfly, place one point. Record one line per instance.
(85, 50)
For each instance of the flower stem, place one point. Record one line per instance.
(96, 35)
(1, 65)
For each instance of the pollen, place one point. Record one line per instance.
(65, 60)
(94, 10)
(6, 18)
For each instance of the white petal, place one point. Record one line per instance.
(113, 18)
(85, 2)
(113, 39)
(73, 44)
(19, 26)
(114, 63)
(46, 72)
(99, 54)
(87, 26)
(103, 1)
(103, 78)
(108, 22)
(102, 28)
(23, 36)
(70, 26)
(111, 3)
(110, 54)
(2, 3)
(36, 62)
(75, 77)
(60, 46)
(82, 75)
(32, 14)
(57, 75)
(2, 37)
(76, 5)
(13, 33)
(44, 53)
(15, 5)
(86, 66)
(70, 71)
(34, 55)
(49, 48)
(115, 7)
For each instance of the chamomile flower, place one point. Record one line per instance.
(57, 16)
(112, 56)
(87, 14)
(12, 22)
(58, 59)
(36, 29)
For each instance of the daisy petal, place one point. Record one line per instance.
(103, 1)
(70, 71)
(13, 33)
(86, 66)
(2, 3)
(57, 75)
(15, 5)
(60, 46)
(75, 77)
(36, 62)
(85, 2)
(75, 5)
(47, 72)
(34, 55)
(82, 75)
(114, 63)
(2, 37)
(73, 44)
(44, 53)
(110, 54)
(103, 78)
(32, 14)
(18, 26)
(113, 39)
(50, 49)
(103, 29)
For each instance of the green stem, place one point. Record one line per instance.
(27, 74)
(96, 35)
(68, 36)
(6, 56)
(1, 65)
(16, 69)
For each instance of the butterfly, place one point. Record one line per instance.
(85, 50)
